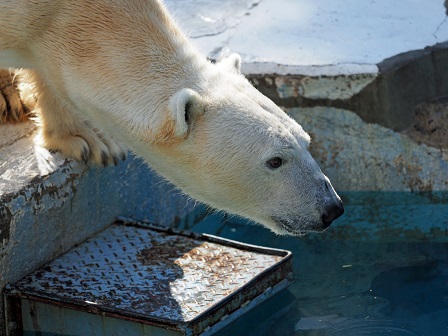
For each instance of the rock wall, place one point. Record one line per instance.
(359, 156)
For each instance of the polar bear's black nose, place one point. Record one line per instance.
(333, 211)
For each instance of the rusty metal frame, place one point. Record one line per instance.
(277, 276)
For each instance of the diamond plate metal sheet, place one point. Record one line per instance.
(163, 277)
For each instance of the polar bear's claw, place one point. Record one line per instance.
(85, 154)
(83, 144)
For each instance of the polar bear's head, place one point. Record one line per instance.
(239, 152)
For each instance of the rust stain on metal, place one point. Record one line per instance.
(161, 276)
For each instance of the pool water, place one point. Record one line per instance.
(381, 269)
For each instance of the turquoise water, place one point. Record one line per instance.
(381, 269)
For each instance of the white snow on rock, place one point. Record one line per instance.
(311, 36)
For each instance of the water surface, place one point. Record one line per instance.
(381, 269)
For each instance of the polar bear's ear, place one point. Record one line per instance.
(183, 105)
(232, 63)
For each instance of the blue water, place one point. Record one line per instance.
(381, 269)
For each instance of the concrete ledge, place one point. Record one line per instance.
(387, 98)
(44, 216)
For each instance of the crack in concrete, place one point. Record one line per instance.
(230, 25)
(439, 27)
(445, 4)
(222, 50)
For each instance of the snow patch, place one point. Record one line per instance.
(282, 36)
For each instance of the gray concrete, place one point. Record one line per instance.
(311, 37)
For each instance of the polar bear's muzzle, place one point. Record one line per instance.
(328, 208)
(333, 207)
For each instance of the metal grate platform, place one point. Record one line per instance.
(156, 277)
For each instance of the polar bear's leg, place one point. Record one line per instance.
(12, 107)
(62, 130)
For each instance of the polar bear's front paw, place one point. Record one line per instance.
(84, 144)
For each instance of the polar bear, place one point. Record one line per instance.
(111, 75)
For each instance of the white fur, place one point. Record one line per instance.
(232, 63)
(113, 72)
(178, 106)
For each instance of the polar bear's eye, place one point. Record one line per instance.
(275, 162)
